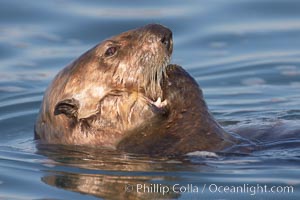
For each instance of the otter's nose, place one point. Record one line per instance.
(167, 41)
(164, 34)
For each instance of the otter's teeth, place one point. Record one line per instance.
(158, 103)
(158, 100)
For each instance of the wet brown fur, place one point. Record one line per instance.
(106, 101)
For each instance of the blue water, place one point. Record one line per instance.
(244, 54)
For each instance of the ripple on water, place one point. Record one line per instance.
(245, 55)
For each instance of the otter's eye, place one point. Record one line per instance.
(110, 51)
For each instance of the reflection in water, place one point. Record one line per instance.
(116, 175)
(109, 187)
(106, 173)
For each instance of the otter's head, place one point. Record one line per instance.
(138, 58)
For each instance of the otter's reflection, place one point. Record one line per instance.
(109, 174)
(108, 187)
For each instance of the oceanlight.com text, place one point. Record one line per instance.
(251, 189)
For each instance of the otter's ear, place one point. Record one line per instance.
(69, 107)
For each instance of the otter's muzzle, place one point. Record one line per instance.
(164, 34)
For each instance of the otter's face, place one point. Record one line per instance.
(138, 58)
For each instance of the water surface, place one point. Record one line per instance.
(244, 54)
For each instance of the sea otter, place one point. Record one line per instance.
(124, 94)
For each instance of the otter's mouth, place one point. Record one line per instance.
(154, 90)
(156, 60)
